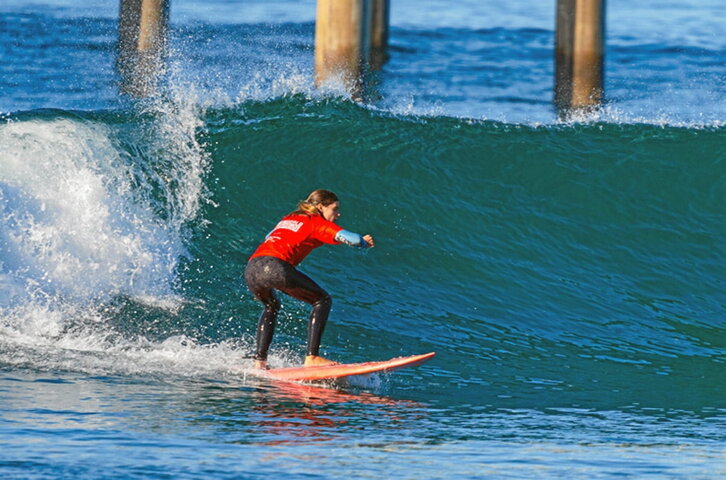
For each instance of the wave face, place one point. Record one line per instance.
(583, 260)
(531, 255)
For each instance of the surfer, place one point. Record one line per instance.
(272, 267)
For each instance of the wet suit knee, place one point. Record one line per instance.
(317, 322)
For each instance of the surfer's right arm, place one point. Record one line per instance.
(354, 239)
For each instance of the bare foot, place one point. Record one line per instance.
(314, 361)
(261, 364)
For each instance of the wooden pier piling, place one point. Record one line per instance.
(579, 55)
(142, 41)
(342, 42)
(380, 20)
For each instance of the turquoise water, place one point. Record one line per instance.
(570, 276)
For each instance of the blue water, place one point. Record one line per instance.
(569, 275)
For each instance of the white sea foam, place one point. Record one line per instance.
(83, 221)
(71, 225)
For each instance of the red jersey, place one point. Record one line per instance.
(295, 236)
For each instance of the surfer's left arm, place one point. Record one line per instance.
(354, 239)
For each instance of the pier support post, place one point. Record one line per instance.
(380, 20)
(579, 50)
(142, 41)
(342, 42)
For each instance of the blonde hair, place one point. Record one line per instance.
(309, 206)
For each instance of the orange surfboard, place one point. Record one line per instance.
(342, 370)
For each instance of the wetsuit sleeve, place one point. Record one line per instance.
(350, 238)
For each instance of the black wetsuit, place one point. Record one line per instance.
(266, 274)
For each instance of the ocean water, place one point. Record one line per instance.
(569, 275)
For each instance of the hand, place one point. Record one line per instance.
(369, 241)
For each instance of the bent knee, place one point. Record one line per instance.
(325, 300)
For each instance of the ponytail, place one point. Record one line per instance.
(309, 206)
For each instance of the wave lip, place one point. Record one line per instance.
(95, 211)
(71, 225)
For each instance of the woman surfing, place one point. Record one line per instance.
(273, 267)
